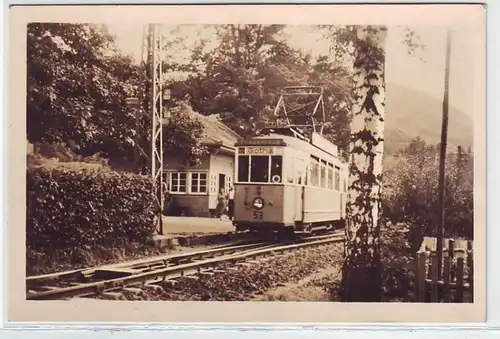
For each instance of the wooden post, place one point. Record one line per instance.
(451, 252)
(421, 285)
(434, 279)
(460, 277)
(451, 248)
(442, 156)
(470, 265)
(446, 277)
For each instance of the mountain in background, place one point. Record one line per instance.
(411, 113)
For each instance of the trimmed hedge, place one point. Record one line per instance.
(70, 207)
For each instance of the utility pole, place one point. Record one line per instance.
(442, 157)
(151, 109)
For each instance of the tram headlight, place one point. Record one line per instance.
(258, 203)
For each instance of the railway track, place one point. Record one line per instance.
(111, 278)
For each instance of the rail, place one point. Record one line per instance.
(115, 277)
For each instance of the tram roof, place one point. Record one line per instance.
(294, 139)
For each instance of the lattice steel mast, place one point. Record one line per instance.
(151, 113)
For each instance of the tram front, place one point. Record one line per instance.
(258, 199)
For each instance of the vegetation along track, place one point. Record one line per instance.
(95, 281)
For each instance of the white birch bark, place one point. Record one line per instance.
(362, 261)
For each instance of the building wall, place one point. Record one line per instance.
(194, 205)
(210, 167)
(172, 162)
(220, 164)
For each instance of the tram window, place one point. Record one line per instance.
(337, 178)
(299, 171)
(259, 168)
(276, 168)
(291, 170)
(323, 174)
(314, 172)
(243, 162)
(330, 176)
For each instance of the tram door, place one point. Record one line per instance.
(299, 171)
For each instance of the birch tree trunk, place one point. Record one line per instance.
(361, 272)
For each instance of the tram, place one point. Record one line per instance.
(287, 182)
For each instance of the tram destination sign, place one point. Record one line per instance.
(262, 142)
(260, 150)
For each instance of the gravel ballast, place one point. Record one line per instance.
(245, 281)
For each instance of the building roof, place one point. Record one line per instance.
(216, 132)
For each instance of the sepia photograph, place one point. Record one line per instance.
(265, 161)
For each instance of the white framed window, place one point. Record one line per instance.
(314, 171)
(213, 183)
(330, 176)
(198, 183)
(178, 181)
(300, 171)
(337, 178)
(323, 174)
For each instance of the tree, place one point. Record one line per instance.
(363, 48)
(411, 182)
(183, 134)
(76, 88)
(361, 272)
(242, 76)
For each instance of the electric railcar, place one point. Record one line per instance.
(286, 182)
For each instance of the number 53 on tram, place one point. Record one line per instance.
(288, 183)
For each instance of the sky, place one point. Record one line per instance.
(423, 72)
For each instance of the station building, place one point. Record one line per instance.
(194, 188)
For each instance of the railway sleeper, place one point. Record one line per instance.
(169, 283)
(255, 261)
(112, 296)
(153, 288)
(245, 264)
(39, 289)
(133, 290)
(190, 277)
(206, 273)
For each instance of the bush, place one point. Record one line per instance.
(82, 207)
(397, 258)
(410, 192)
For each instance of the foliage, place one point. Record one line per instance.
(77, 86)
(74, 206)
(398, 274)
(241, 78)
(411, 186)
(183, 134)
(361, 272)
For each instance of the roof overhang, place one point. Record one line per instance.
(219, 147)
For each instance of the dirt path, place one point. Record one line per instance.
(310, 288)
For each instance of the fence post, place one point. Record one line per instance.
(470, 265)
(421, 288)
(434, 278)
(451, 252)
(451, 248)
(446, 277)
(460, 277)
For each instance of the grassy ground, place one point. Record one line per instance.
(311, 288)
